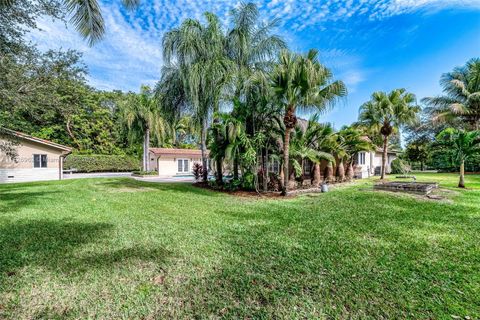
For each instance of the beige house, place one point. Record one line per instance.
(174, 162)
(36, 159)
(370, 163)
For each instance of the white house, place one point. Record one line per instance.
(36, 159)
(174, 162)
(369, 163)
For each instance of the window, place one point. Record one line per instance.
(183, 166)
(361, 158)
(274, 166)
(39, 160)
(307, 167)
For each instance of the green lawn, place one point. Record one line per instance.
(118, 248)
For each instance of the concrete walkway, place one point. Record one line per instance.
(125, 175)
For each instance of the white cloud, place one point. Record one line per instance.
(131, 53)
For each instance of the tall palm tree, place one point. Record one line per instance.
(250, 44)
(462, 96)
(385, 113)
(301, 81)
(141, 114)
(197, 51)
(86, 16)
(463, 144)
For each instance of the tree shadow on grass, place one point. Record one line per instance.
(15, 198)
(55, 245)
(128, 184)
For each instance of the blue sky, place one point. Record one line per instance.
(369, 44)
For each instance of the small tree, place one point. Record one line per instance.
(464, 146)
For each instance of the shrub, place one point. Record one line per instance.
(248, 181)
(197, 170)
(399, 166)
(233, 185)
(146, 173)
(101, 163)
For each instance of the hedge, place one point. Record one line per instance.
(101, 163)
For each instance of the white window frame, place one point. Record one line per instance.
(43, 164)
(362, 158)
(183, 165)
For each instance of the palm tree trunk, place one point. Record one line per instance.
(316, 175)
(341, 171)
(461, 183)
(329, 173)
(384, 157)
(147, 145)
(290, 120)
(350, 170)
(286, 149)
(267, 176)
(203, 147)
(219, 165)
(235, 167)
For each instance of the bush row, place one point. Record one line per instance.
(101, 163)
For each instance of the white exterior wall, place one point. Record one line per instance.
(25, 175)
(167, 166)
(22, 170)
(372, 161)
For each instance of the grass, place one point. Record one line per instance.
(120, 248)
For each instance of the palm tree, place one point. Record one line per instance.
(301, 81)
(86, 16)
(350, 141)
(462, 96)
(141, 114)
(463, 144)
(197, 52)
(386, 113)
(306, 144)
(250, 44)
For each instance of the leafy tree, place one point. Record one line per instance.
(301, 81)
(463, 144)
(142, 117)
(385, 113)
(462, 97)
(418, 151)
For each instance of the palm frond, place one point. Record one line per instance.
(87, 19)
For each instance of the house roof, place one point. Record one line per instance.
(25, 136)
(176, 152)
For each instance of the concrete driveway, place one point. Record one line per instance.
(125, 175)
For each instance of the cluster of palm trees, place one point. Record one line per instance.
(246, 68)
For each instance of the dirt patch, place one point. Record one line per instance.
(243, 193)
(271, 194)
